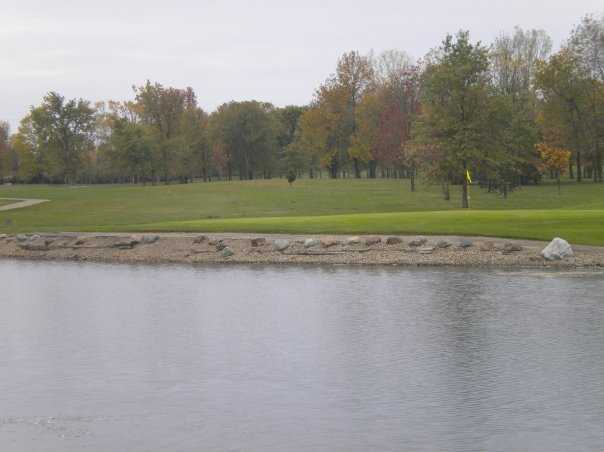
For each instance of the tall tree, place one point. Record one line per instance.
(162, 108)
(64, 129)
(4, 149)
(587, 45)
(455, 104)
(243, 137)
(565, 107)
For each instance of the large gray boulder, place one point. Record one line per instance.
(310, 243)
(558, 249)
(281, 244)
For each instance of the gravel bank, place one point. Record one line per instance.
(288, 249)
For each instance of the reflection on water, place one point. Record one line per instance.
(102, 357)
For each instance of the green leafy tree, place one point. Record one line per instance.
(64, 130)
(455, 109)
(243, 135)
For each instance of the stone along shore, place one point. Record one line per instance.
(281, 249)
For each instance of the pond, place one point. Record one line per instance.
(241, 358)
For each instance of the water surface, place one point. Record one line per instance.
(236, 358)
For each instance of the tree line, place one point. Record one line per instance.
(502, 115)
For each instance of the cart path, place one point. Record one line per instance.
(21, 203)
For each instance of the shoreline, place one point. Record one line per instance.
(240, 248)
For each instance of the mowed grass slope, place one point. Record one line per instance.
(312, 206)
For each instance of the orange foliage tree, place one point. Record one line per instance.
(553, 160)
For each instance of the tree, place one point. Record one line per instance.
(455, 97)
(291, 177)
(243, 136)
(587, 46)
(565, 110)
(132, 149)
(514, 62)
(4, 149)
(331, 121)
(64, 130)
(31, 161)
(286, 120)
(163, 108)
(553, 160)
(385, 117)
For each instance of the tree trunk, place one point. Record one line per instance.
(412, 180)
(579, 168)
(357, 169)
(446, 191)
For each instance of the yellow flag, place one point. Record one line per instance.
(468, 177)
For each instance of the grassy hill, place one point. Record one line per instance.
(312, 206)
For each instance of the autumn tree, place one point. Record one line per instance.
(565, 108)
(553, 160)
(332, 118)
(385, 117)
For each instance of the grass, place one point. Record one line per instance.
(4, 202)
(319, 206)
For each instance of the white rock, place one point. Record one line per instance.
(281, 244)
(557, 249)
(309, 243)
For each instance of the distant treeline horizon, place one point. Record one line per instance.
(503, 114)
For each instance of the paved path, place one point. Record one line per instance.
(21, 203)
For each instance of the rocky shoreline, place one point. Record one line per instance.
(289, 249)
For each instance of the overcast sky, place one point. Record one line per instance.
(272, 50)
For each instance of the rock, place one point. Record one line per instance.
(281, 244)
(328, 242)
(199, 239)
(393, 240)
(486, 246)
(214, 242)
(258, 242)
(22, 238)
(426, 250)
(353, 240)
(369, 241)
(220, 245)
(227, 252)
(557, 249)
(310, 243)
(443, 244)
(509, 248)
(3, 236)
(125, 244)
(80, 241)
(149, 239)
(465, 243)
(416, 243)
(37, 244)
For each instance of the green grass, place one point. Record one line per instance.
(319, 206)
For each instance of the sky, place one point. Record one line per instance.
(273, 50)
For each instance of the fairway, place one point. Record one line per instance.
(311, 206)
